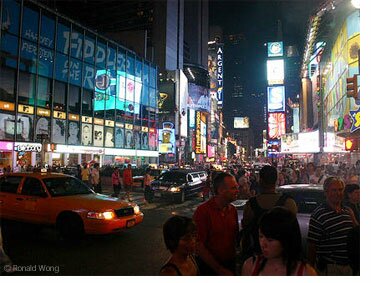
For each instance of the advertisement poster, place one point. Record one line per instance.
(137, 137)
(166, 98)
(42, 126)
(7, 126)
(98, 135)
(109, 137)
(144, 140)
(119, 138)
(86, 134)
(275, 72)
(276, 99)
(26, 124)
(152, 139)
(129, 139)
(198, 98)
(276, 125)
(241, 123)
(275, 49)
(73, 133)
(59, 131)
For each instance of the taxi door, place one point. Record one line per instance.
(9, 203)
(35, 201)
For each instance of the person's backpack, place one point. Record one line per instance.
(250, 235)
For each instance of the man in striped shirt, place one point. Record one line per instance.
(329, 228)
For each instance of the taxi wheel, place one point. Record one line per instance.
(70, 227)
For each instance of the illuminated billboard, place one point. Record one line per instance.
(241, 123)
(275, 72)
(166, 138)
(198, 98)
(275, 49)
(276, 125)
(276, 99)
(117, 90)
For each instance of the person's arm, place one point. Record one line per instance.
(312, 252)
(208, 258)
(247, 267)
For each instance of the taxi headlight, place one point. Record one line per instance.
(175, 189)
(136, 209)
(107, 215)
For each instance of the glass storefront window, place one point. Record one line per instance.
(77, 39)
(59, 131)
(89, 48)
(61, 67)
(25, 133)
(87, 102)
(75, 72)
(152, 77)
(9, 48)
(10, 17)
(46, 59)
(30, 27)
(111, 58)
(60, 90)
(121, 61)
(98, 135)
(86, 134)
(28, 56)
(7, 126)
(73, 133)
(63, 37)
(145, 74)
(119, 137)
(44, 92)
(108, 141)
(7, 81)
(27, 88)
(138, 68)
(100, 55)
(88, 76)
(130, 64)
(74, 99)
(47, 32)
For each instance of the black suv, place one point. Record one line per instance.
(178, 184)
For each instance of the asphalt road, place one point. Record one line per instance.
(136, 251)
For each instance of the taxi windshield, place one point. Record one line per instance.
(66, 186)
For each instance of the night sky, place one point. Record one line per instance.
(257, 21)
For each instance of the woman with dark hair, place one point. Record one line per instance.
(280, 242)
(352, 199)
(180, 239)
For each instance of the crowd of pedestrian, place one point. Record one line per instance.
(270, 241)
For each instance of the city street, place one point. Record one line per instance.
(137, 251)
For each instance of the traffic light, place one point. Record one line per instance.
(352, 87)
(351, 144)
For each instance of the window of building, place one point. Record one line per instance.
(74, 100)
(89, 48)
(10, 17)
(60, 91)
(7, 81)
(100, 56)
(77, 40)
(63, 37)
(47, 32)
(30, 27)
(27, 88)
(87, 102)
(9, 48)
(44, 92)
(28, 56)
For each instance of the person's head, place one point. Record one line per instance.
(352, 193)
(268, 176)
(116, 169)
(225, 186)
(334, 190)
(279, 235)
(311, 168)
(180, 234)
(96, 165)
(129, 166)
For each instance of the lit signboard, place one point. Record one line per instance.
(198, 98)
(241, 122)
(276, 99)
(275, 72)
(276, 125)
(117, 90)
(167, 138)
(219, 76)
(198, 132)
(275, 49)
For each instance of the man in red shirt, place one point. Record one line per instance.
(217, 228)
(127, 181)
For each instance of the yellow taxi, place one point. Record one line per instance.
(65, 202)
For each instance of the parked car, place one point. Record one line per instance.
(178, 184)
(64, 202)
(307, 198)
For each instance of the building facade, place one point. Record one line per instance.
(69, 95)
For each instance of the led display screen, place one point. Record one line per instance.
(275, 72)
(276, 99)
(241, 122)
(276, 125)
(117, 90)
(275, 49)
